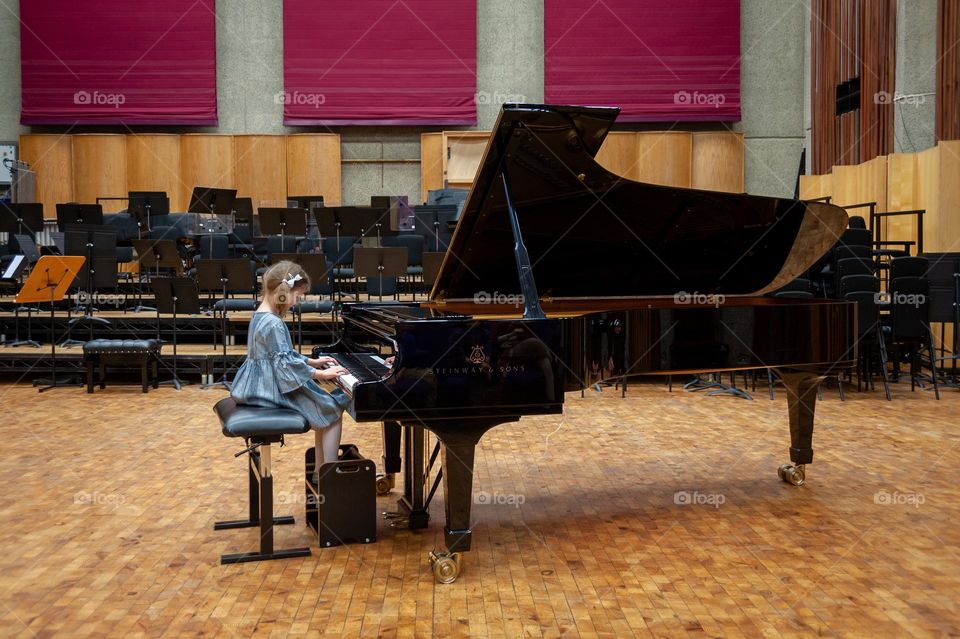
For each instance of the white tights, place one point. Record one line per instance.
(328, 442)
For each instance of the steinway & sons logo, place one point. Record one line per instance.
(478, 363)
(476, 355)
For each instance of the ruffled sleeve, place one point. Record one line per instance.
(290, 367)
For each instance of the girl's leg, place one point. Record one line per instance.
(328, 439)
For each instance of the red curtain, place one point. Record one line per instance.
(379, 62)
(658, 60)
(118, 62)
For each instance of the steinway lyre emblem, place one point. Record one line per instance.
(476, 355)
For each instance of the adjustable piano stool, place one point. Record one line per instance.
(344, 506)
(259, 427)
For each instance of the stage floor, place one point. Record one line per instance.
(656, 514)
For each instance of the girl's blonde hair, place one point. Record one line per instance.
(280, 279)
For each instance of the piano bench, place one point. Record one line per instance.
(259, 427)
(343, 507)
(133, 353)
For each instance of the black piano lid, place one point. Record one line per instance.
(593, 234)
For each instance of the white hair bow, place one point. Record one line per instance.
(291, 280)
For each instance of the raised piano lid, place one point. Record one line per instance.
(591, 234)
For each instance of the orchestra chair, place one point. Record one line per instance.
(415, 245)
(910, 326)
(339, 250)
(259, 428)
(869, 333)
(909, 267)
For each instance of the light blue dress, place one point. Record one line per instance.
(274, 375)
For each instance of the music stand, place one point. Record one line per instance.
(48, 282)
(144, 204)
(228, 276)
(158, 254)
(73, 214)
(431, 222)
(277, 221)
(206, 199)
(10, 279)
(174, 295)
(17, 218)
(431, 268)
(98, 245)
(377, 263)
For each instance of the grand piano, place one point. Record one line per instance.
(549, 243)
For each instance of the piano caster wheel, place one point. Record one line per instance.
(445, 565)
(791, 474)
(385, 483)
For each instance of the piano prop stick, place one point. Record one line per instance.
(48, 283)
(549, 241)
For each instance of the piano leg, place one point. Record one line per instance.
(801, 399)
(391, 457)
(456, 458)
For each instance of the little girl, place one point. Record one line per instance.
(274, 375)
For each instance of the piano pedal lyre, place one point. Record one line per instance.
(445, 565)
(386, 483)
(791, 474)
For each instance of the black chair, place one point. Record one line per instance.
(339, 250)
(909, 267)
(855, 237)
(859, 284)
(798, 288)
(910, 326)
(847, 267)
(856, 222)
(214, 247)
(870, 334)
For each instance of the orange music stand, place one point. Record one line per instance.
(48, 282)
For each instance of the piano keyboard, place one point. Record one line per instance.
(363, 367)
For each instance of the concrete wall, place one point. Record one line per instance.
(914, 115)
(509, 66)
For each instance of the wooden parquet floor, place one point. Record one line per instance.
(656, 515)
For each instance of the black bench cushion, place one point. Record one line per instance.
(235, 304)
(97, 346)
(238, 420)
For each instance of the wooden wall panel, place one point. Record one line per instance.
(619, 154)
(153, 164)
(665, 157)
(51, 156)
(942, 233)
(718, 162)
(813, 187)
(431, 163)
(205, 160)
(861, 183)
(461, 161)
(902, 195)
(313, 166)
(100, 169)
(260, 168)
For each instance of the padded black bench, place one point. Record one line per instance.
(142, 353)
(259, 427)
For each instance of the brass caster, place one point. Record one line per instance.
(791, 474)
(446, 566)
(385, 483)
